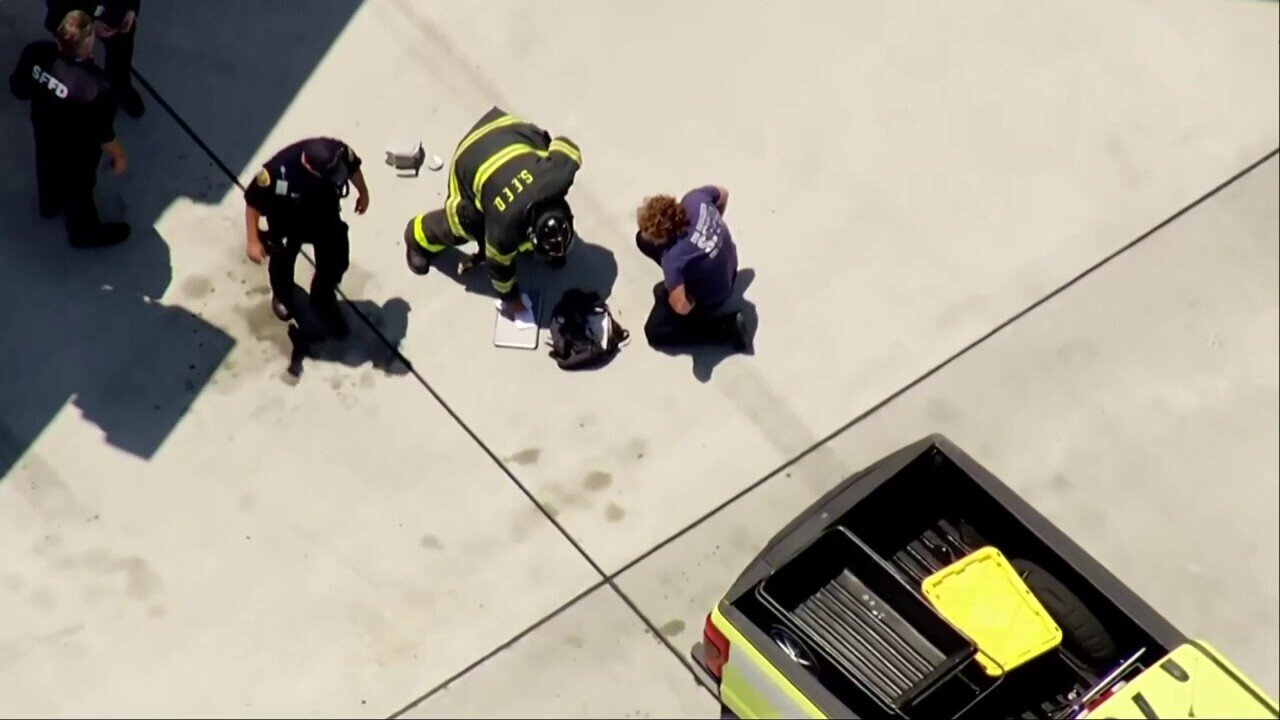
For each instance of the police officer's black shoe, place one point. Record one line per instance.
(281, 309)
(107, 234)
(130, 102)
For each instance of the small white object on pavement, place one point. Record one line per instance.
(434, 163)
(406, 155)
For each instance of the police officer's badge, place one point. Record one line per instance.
(263, 179)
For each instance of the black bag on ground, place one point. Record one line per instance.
(583, 332)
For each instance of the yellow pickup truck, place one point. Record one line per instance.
(923, 587)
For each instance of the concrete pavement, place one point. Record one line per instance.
(967, 186)
(202, 537)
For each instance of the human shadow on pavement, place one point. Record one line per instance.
(707, 357)
(588, 266)
(131, 365)
(475, 280)
(83, 325)
(377, 347)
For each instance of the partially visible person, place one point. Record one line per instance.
(692, 244)
(73, 117)
(299, 192)
(115, 22)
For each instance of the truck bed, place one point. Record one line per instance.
(874, 539)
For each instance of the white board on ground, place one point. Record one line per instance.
(520, 331)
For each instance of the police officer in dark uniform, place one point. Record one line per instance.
(507, 188)
(299, 191)
(73, 114)
(116, 23)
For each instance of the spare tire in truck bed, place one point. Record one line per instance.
(1082, 632)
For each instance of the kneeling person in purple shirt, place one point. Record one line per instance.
(691, 242)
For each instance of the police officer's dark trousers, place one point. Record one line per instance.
(331, 246)
(66, 174)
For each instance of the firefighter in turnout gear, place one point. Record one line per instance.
(507, 187)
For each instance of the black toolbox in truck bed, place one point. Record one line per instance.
(865, 621)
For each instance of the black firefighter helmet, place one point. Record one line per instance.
(551, 230)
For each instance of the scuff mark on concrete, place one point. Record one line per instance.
(528, 456)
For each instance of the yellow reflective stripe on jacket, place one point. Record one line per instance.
(483, 130)
(421, 236)
(566, 147)
(503, 286)
(496, 161)
(455, 190)
(492, 253)
(451, 208)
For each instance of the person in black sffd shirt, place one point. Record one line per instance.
(115, 22)
(73, 115)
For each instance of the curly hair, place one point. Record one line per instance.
(661, 219)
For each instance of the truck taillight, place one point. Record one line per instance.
(716, 649)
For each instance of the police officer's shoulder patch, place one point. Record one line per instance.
(263, 179)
